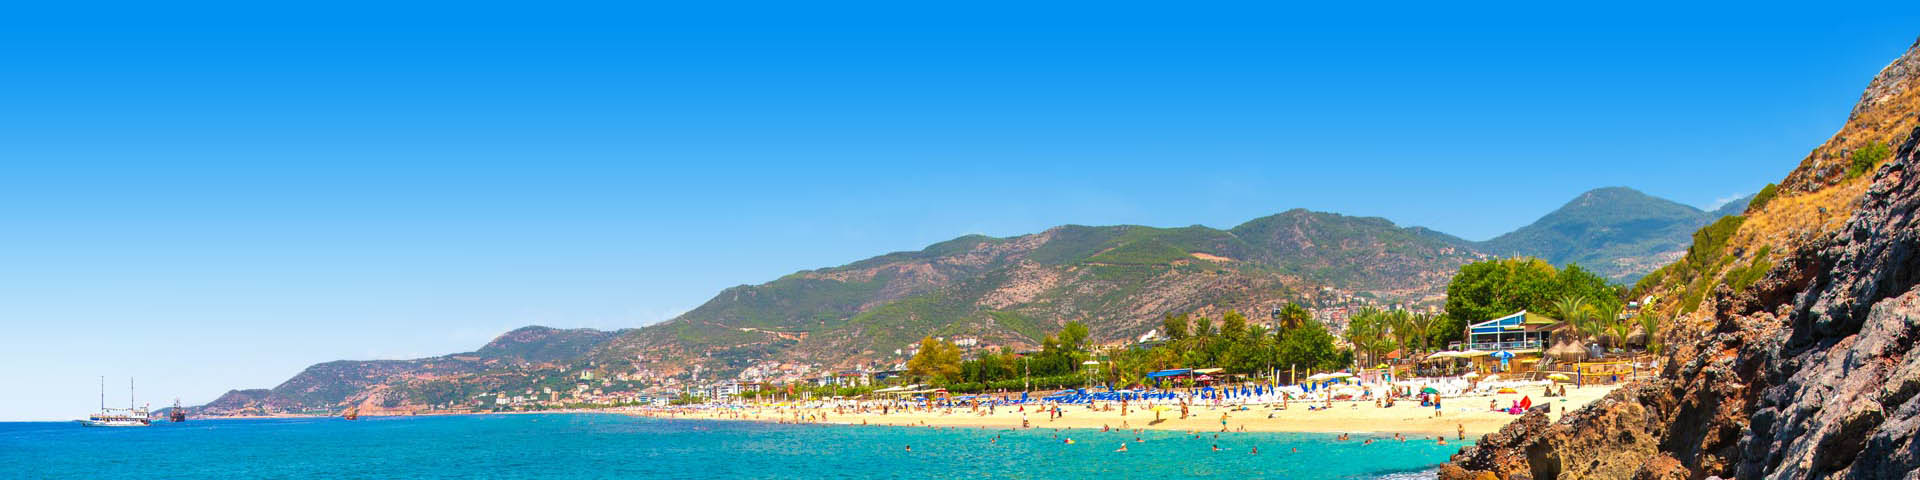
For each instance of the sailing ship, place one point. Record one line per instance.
(118, 417)
(177, 414)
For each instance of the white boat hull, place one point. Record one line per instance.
(112, 423)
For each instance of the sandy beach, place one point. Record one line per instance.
(1406, 417)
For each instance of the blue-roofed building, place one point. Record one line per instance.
(1521, 330)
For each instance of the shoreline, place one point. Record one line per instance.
(1466, 413)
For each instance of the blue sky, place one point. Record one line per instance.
(215, 196)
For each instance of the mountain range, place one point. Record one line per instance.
(1012, 291)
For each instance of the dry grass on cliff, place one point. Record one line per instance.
(1818, 197)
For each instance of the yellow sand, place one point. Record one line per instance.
(1469, 413)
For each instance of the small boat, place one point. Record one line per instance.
(118, 417)
(352, 414)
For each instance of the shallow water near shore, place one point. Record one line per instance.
(617, 446)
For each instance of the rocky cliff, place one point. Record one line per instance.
(1809, 371)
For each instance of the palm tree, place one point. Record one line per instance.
(1400, 322)
(1572, 309)
(1366, 331)
(1291, 316)
(1422, 325)
(1608, 317)
(1651, 325)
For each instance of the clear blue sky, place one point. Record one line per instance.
(213, 197)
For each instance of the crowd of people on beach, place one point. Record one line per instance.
(1046, 413)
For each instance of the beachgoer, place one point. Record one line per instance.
(1123, 448)
(1253, 451)
(1216, 447)
(909, 448)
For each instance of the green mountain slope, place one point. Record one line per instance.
(1735, 207)
(1012, 291)
(1616, 231)
(515, 357)
(1008, 291)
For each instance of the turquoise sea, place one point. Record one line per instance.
(569, 446)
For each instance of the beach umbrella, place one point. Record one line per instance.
(1429, 390)
(1559, 377)
(1471, 375)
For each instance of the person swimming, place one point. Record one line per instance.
(1216, 447)
(1069, 441)
(1123, 448)
(909, 448)
(1253, 451)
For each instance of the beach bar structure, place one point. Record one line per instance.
(1519, 331)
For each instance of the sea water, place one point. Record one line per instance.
(568, 446)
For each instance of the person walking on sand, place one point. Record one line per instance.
(1461, 428)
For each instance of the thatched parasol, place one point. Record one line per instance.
(1567, 352)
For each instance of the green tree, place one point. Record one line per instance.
(1367, 331)
(1651, 325)
(1865, 158)
(1073, 337)
(1175, 326)
(1488, 289)
(1202, 326)
(937, 359)
(1292, 316)
(1233, 326)
(1608, 316)
(1422, 329)
(1310, 346)
(1571, 309)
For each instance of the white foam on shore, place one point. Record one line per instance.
(1419, 475)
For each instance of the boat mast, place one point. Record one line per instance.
(129, 393)
(103, 392)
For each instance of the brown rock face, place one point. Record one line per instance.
(1813, 372)
(1809, 372)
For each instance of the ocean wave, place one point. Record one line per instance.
(1417, 475)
